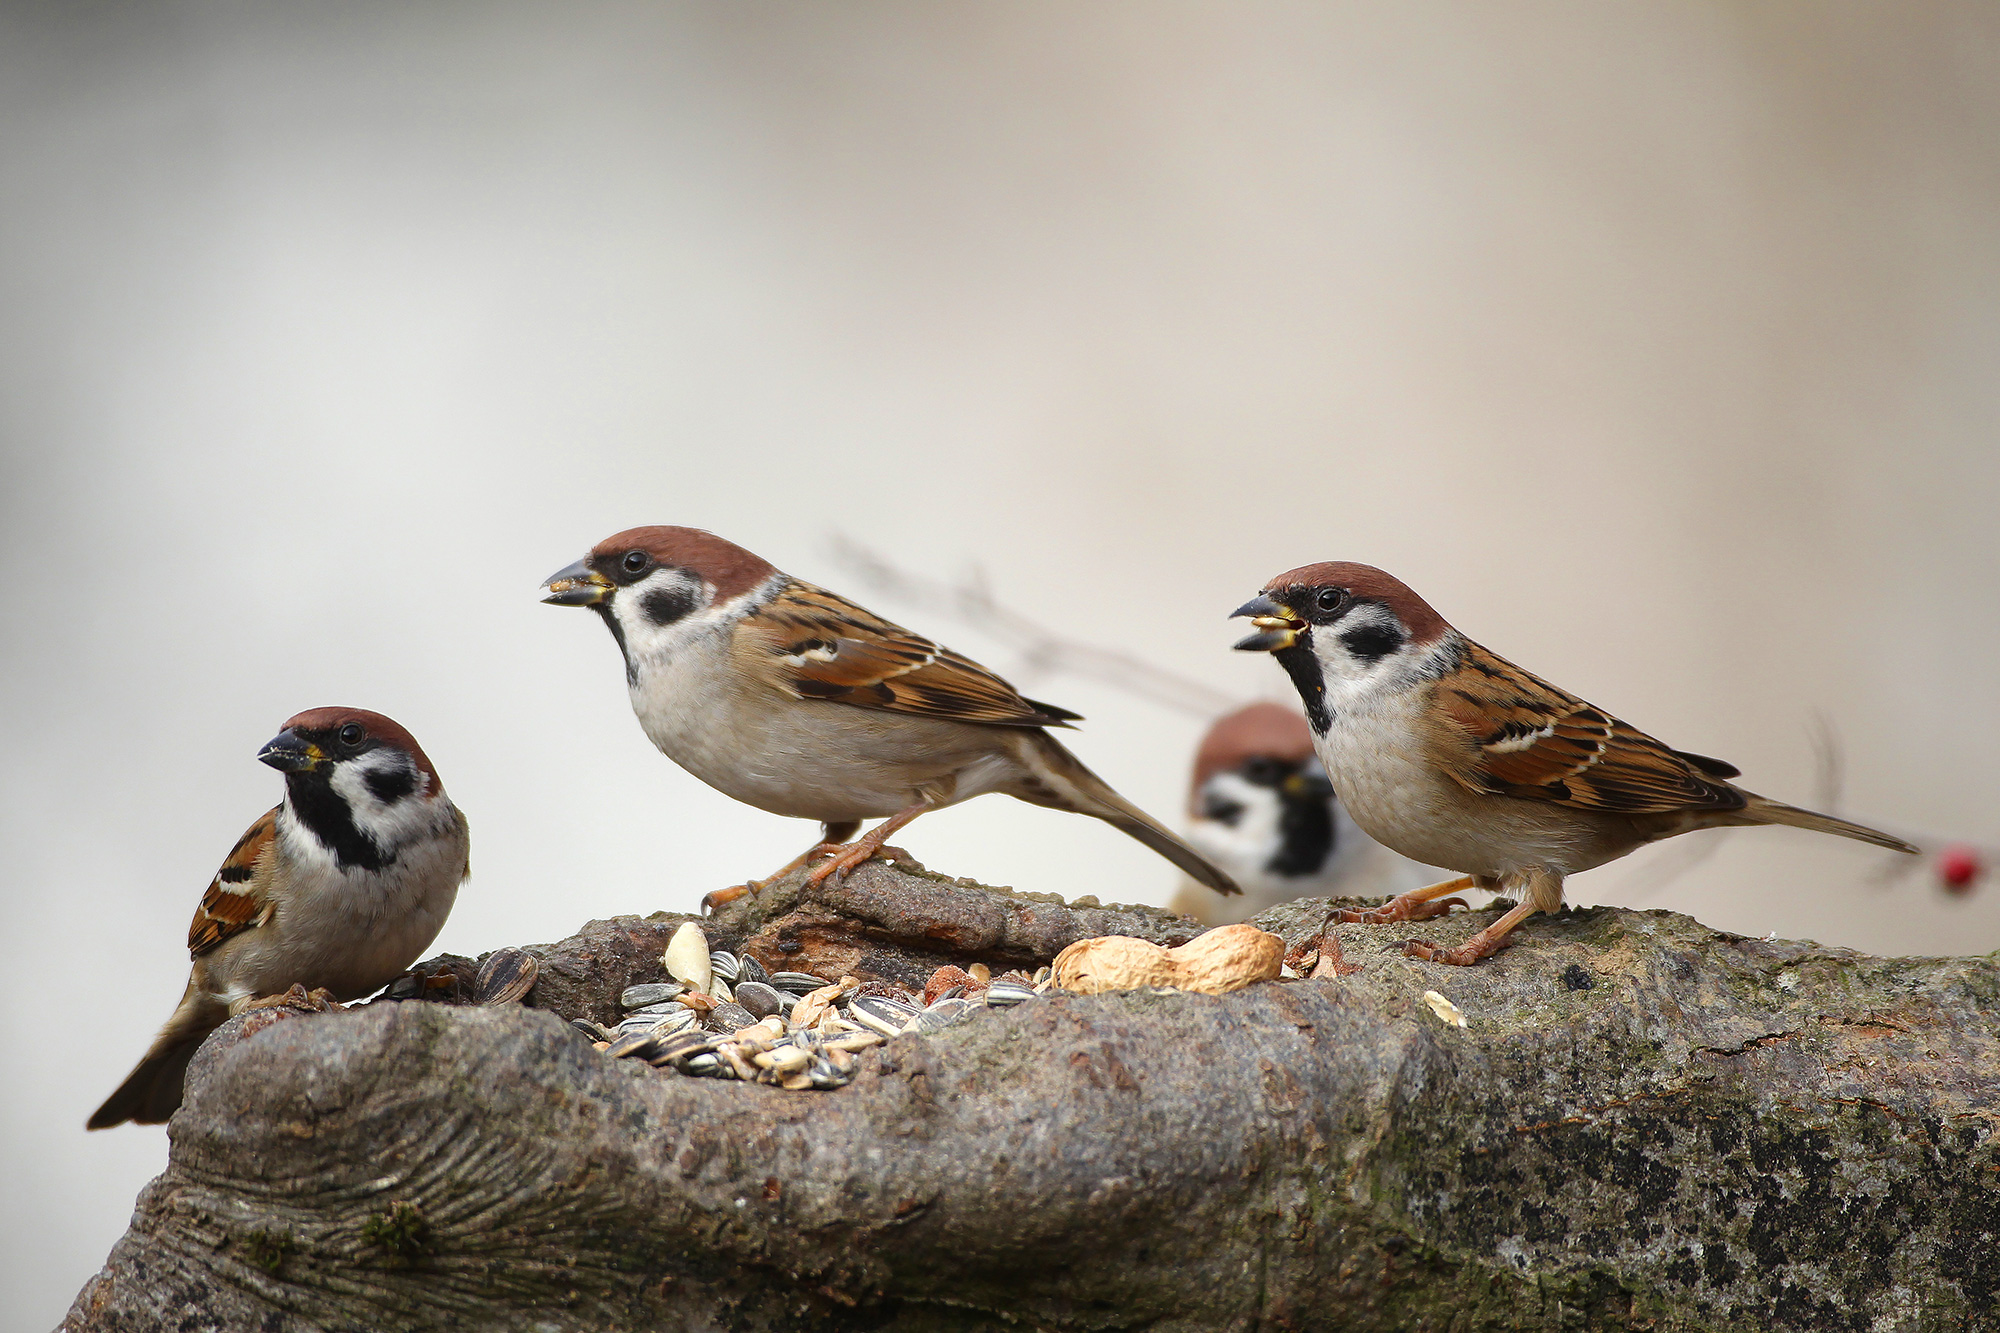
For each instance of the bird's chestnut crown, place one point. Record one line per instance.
(634, 555)
(1324, 593)
(340, 734)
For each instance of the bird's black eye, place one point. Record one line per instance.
(1331, 599)
(1263, 770)
(635, 561)
(351, 734)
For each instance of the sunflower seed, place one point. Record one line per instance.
(739, 1063)
(782, 1059)
(749, 969)
(1001, 994)
(652, 992)
(594, 1031)
(759, 999)
(728, 1017)
(942, 1015)
(723, 964)
(630, 1044)
(667, 1021)
(660, 1010)
(683, 1046)
(505, 976)
(856, 1041)
(797, 983)
(754, 1039)
(686, 957)
(708, 1065)
(882, 1015)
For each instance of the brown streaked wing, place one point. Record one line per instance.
(828, 648)
(1515, 734)
(235, 901)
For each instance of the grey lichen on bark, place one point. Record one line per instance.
(1645, 1124)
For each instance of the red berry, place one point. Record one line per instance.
(1958, 866)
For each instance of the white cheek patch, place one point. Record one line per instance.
(1348, 672)
(407, 814)
(1254, 838)
(686, 605)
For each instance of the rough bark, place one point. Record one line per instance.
(1646, 1124)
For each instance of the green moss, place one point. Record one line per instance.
(267, 1249)
(403, 1231)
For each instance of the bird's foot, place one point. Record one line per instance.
(319, 1000)
(1406, 908)
(1465, 955)
(753, 887)
(1330, 963)
(836, 868)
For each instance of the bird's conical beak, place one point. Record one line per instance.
(1308, 784)
(289, 752)
(576, 585)
(1277, 627)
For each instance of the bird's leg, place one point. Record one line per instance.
(1488, 941)
(1541, 891)
(869, 845)
(1416, 905)
(833, 838)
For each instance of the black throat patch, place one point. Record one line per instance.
(604, 613)
(1305, 836)
(1304, 669)
(325, 811)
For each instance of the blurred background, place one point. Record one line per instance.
(1657, 345)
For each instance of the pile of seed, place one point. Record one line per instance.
(724, 1016)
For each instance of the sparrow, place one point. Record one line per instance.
(1453, 756)
(797, 701)
(1261, 807)
(340, 887)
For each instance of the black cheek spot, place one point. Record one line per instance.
(390, 784)
(663, 606)
(1222, 810)
(1372, 643)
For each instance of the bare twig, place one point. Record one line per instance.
(1042, 650)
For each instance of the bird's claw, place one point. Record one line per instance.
(837, 867)
(318, 1000)
(717, 897)
(1398, 909)
(1464, 955)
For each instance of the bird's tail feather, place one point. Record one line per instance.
(151, 1093)
(1084, 792)
(1767, 811)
